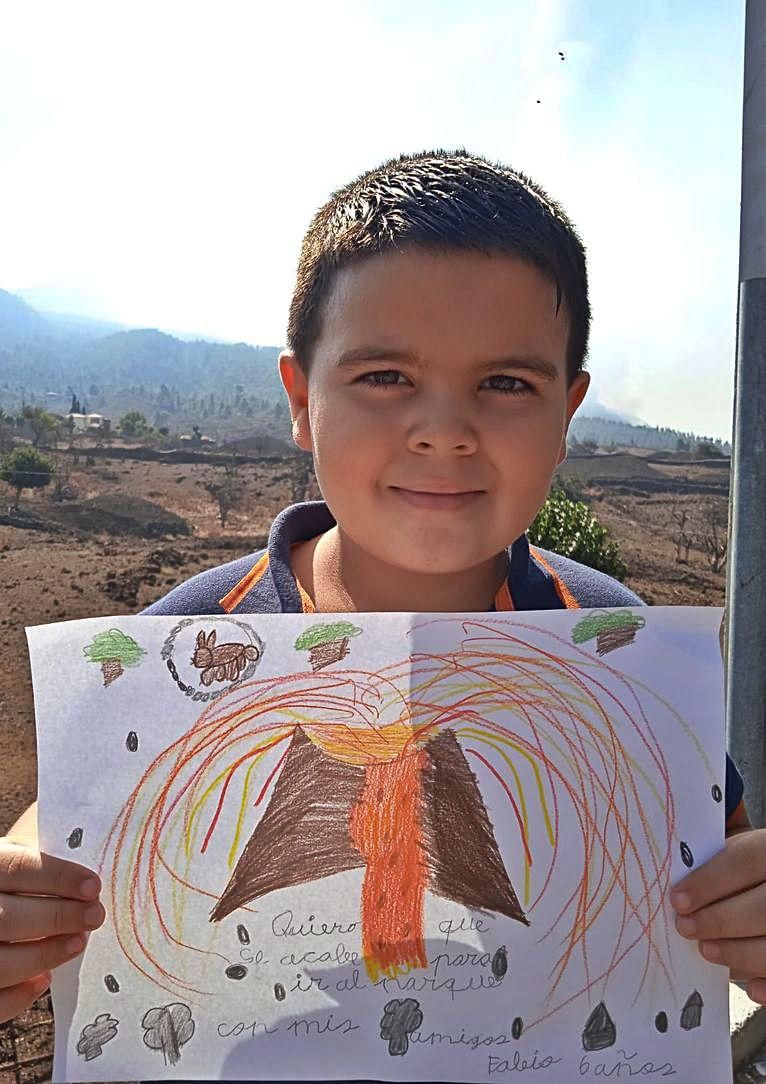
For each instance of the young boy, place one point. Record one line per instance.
(437, 335)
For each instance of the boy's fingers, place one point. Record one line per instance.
(25, 959)
(15, 999)
(23, 869)
(27, 918)
(737, 916)
(740, 865)
(746, 956)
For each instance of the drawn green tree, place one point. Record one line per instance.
(114, 650)
(610, 629)
(327, 642)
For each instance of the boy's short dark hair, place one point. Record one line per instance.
(439, 201)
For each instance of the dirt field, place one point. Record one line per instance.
(64, 564)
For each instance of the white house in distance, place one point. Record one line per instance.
(90, 423)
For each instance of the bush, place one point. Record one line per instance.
(569, 527)
(571, 487)
(706, 449)
(25, 468)
(134, 424)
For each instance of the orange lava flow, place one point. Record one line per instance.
(386, 828)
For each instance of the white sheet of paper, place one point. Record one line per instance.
(406, 847)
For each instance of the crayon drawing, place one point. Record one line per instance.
(463, 805)
(346, 769)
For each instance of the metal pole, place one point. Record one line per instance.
(746, 647)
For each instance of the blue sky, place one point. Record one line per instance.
(160, 162)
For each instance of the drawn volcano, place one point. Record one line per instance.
(405, 809)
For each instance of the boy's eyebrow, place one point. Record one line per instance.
(358, 355)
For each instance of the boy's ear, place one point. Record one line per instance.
(575, 396)
(295, 383)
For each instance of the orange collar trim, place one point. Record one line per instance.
(566, 596)
(503, 598)
(230, 601)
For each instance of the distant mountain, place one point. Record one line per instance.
(67, 325)
(608, 432)
(151, 357)
(69, 353)
(64, 307)
(19, 322)
(596, 409)
(48, 358)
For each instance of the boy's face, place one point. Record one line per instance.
(436, 405)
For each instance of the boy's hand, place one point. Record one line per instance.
(723, 906)
(46, 907)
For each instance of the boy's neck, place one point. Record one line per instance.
(341, 578)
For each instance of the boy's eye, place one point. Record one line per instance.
(382, 377)
(512, 385)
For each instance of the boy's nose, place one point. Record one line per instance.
(440, 430)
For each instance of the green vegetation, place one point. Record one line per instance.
(595, 623)
(25, 468)
(325, 633)
(134, 424)
(114, 644)
(43, 424)
(569, 528)
(707, 449)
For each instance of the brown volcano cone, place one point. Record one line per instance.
(462, 855)
(303, 835)
(320, 821)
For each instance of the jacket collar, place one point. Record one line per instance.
(531, 586)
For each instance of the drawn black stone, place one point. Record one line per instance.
(236, 971)
(661, 1022)
(599, 1031)
(111, 983)
(686, 855)
(74, 839)
(716, 792)
(168, 1028)
(95, 1036)
(131, 742)
(401, 1017)
(691, 1014)
(279, 991)
(500, 963)
(517, 1027)
(243, 935)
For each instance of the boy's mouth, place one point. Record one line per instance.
(446, 500)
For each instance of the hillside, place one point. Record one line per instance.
(607, 432)
(44, 363)
(232, 390)
(19, 322)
